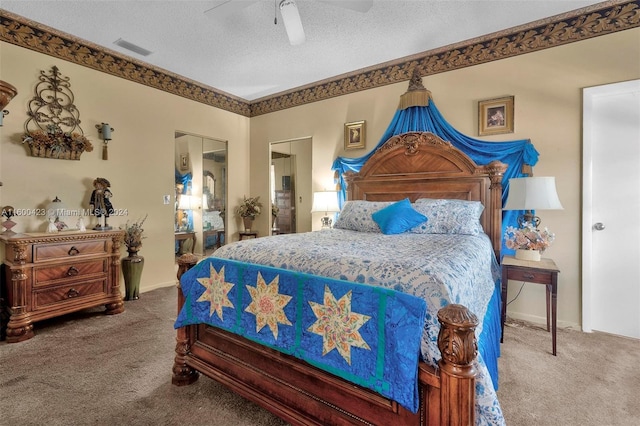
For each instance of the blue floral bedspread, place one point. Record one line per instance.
(438, 269)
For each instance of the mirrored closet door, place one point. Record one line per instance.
(290, 185)
(200, 194)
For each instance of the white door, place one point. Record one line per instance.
(611, 209)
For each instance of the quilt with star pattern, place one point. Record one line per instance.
(367, 335)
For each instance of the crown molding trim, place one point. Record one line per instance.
(600, 19)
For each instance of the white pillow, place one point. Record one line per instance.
(356, 215)
(449, 216)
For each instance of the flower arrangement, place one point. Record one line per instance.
(250, 207)
(528, 238)
(54, 143)
(274, 210)
(133, 234)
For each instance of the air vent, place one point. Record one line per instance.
(132, 47)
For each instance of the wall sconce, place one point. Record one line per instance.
(105, 132)
(325, 202)
(7, 92)
(2, 114)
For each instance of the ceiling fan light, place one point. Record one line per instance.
(292, 22)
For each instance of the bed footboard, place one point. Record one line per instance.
(302, 394)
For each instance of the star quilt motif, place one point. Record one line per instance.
(267, 304)
(338, 325)
(216, 291)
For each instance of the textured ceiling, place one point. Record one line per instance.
(247, 56)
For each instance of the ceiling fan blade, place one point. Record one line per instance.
(224, 8)
(292, 22)
(357, 5)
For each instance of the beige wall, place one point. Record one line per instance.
(547, 86)
(141, 154)
(548, 103)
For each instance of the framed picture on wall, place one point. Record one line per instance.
(495, 116)
(184, 161)
(354, 135)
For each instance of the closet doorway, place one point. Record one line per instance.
(290, 186)
(200, 194)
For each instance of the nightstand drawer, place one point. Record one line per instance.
(45, 276)
(540, 277)
(62, 251)
(69, 293)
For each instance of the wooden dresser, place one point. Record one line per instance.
(47, 275)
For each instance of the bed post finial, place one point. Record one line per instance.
(458, 346)
(496, 171)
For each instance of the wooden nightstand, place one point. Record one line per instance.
(543, 272)
(181, 237)
(248, 234)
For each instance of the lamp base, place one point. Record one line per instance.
(326, 222)
(8, 224)
(528, 217)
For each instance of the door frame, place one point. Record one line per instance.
(588, 96)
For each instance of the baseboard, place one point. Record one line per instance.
(157, 286)
(542, 321)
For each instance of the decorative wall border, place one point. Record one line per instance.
(593, 21)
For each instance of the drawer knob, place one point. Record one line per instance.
(528, 276)
(72, 293)
(73, 251)
(73, 271)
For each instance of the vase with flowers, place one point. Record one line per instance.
(133, 264)
(248, 209)
(528, 241)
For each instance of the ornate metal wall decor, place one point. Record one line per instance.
(53, 127)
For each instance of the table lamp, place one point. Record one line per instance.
(325, 202)
(531, 194)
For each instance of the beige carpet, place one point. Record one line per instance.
(593, 380)
(93, 369)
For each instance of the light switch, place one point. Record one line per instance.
(167, 199)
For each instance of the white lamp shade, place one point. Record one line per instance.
(533, 193)
(292, 22)
(325, 202)
(186, 202)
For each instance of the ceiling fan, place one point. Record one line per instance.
(288, 11)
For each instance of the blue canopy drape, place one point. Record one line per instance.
(185, 180)
(428, 119)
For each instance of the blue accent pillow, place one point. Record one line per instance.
(398, 217)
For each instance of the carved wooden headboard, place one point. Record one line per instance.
(422, 165)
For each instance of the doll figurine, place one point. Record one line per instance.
(100, 203)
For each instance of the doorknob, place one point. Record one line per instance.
(598, 226)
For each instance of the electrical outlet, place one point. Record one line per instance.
(166, 199)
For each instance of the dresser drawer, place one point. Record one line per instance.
(69, 293)
(540, 277)
(67, 250)
(46, 275)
